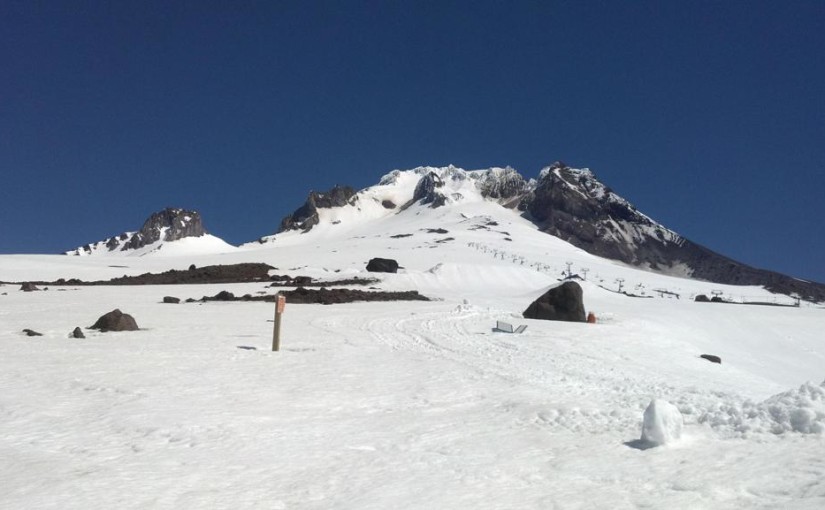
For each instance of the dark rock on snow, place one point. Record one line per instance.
(379, 265)
(171, 300)
(701, 298)
(31, 332)
(224, 295)
(172, 223)
(427, 191)
(562, 303)
(77, 333)
(306, 216)
(576, 207)
(28, 287)
(115, 321)
(712, 358)
(324, 296)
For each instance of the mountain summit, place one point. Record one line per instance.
(162, 227)
(568, 203)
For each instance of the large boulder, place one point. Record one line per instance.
(28, 287)
(562, 303)
(379, 265)
(115, 321)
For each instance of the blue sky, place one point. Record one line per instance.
(708, 116)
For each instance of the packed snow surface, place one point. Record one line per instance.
(406, 405)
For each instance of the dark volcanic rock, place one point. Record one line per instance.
(562, 303)
(326, 296)
(77, 333)
(388, 204)
(171, 300)
(169, 224)
(115, 321)
(712, 358)
(701, 298)
(232, 273)
(574, 206)
(379, 265)
(502, 185)
(31, 332)
(426, 191)
(306, 216)
(28, 287)
(223, 295)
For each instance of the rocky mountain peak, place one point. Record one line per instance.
(427, 190)
(170, 224)
(306, 216)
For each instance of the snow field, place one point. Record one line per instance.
(403, 405)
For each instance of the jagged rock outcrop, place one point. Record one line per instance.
(427, 191)
(167, 225)
(574, 206)
(306, 216)
(503, 184)
(170, 224)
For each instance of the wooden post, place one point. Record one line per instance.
(280, 304)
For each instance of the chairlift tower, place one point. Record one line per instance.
(584, 271)
(620, 281)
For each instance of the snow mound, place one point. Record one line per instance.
(801, 410)
(662, 423)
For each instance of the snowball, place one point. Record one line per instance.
(662, 423)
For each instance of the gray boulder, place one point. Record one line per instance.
(171, 299)
(562, 303)
(78, 333)
(115, 321)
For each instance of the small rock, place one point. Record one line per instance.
(171, 299)
(31, 332)
(78, 333)
(701, 298)
(28, 287)
(712, 358)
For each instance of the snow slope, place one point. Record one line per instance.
(406, 405)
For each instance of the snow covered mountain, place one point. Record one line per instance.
(571, 204)
(176, 231)
(410, 405)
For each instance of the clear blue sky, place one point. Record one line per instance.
(708, 116)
